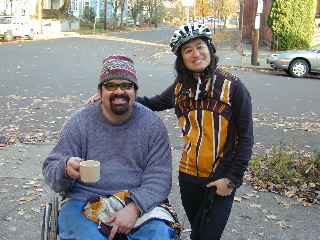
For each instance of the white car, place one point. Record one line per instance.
(15, 26)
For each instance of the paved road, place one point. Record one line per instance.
(43, 82)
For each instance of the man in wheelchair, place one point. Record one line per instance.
(132, 145)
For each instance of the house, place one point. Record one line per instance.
(79, 7)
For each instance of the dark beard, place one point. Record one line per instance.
(119, 109)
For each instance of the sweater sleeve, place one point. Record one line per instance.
(157, 176)
(54, 166)
(243, 123)
(159, 102)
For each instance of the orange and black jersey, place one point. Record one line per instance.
(216, 125)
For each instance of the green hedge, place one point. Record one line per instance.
(293, 22)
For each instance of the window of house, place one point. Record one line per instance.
(74, 5)
(86, 6)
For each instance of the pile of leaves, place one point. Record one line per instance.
(288, 171)
(226, 36)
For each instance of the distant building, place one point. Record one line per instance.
(247, 16)
(77, 7)
(21, 7)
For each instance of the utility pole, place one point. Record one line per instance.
(258, 6)
(187, 4)
(105, 15)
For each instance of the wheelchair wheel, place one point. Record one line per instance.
(49, 229)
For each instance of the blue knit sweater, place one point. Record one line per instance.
(134, 155)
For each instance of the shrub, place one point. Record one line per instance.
(293, 22)
(89, 14)
(286, 169)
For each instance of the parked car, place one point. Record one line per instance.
(130, 21)
(296, 63)
(15, 26)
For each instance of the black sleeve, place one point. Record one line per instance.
(160, 102)
(244, 133)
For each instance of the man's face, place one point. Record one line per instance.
(117, 104)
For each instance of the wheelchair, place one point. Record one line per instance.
(49, 230)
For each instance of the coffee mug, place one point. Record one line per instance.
(90, 171)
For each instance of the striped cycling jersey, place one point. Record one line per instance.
(205, 124)
(218, 124)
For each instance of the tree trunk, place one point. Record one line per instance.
(64, 8)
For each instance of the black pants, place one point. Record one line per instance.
(213, 225)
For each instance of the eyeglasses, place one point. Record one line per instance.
(113, 86)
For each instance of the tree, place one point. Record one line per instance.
(116, 5)
(225, 9)
(105, 15)
(64, 8)
(152, 10)
(293, 22)
(121, 5)
(89, 14)
(136, 8)
(171, 14)
(202, 8)
(155, 11)
(161, 12)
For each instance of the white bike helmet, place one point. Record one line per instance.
(187, 32)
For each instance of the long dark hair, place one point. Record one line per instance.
(185, 76)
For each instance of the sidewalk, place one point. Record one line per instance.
(263, 53)
(242, 57)
(46, 36)
(255, 215)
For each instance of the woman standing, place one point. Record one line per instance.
(215, 113)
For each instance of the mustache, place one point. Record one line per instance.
(119, 96)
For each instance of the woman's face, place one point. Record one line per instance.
(195, 55)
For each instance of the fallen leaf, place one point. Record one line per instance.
(259, 234)
(237, 199)
(13, 229)
(27, 216)
(254, 205)
(7, 218)
(36, 209)
(271, 217)
(21, 212)
(284, 225)
(246, 217)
